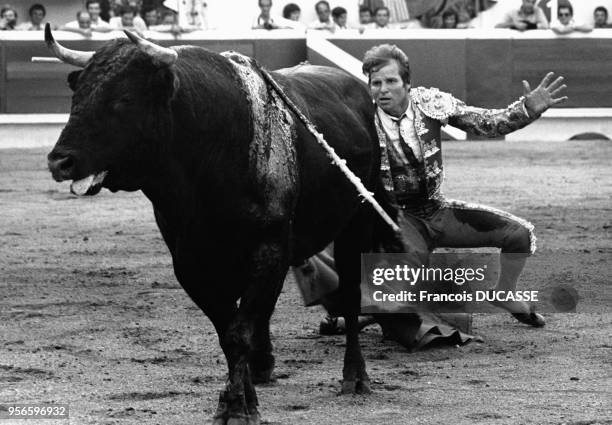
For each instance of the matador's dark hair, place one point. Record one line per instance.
(379, 56)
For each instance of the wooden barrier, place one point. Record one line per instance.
(486, 67)
(481, 67)
(27, 87)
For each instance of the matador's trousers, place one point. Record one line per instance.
(457, 224)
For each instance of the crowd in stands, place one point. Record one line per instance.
(152, 15)
(111, 15)
(455, 14)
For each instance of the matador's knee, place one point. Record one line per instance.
(519, 239)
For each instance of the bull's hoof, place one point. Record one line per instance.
(356, 387)
(220, 417)
(245, 415)
(363, 387)
(348, 387)
(252, 419)
(226, 418)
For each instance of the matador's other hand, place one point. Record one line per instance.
(543, 96)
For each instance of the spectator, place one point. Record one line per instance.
(466, 11)
(324, 21)
(167, 23)
(114, 7)
(381, 19)
(128, 20)
(292, 12)
(82, 25)
(264, 20)
(37, 15)
(8, 18)
(600, 16)
(150, 16)
(449, 19)
(339, 18)
(136, 5)
(527, 17)
(168, 17)
(269, 22)
(94, 10)
(365, 15)
(105, 10)
(566, 25)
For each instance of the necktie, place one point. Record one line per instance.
(406, 149)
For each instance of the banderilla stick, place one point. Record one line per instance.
(341, 163)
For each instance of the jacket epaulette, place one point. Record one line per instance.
(434, 103)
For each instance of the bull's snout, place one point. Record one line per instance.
(62, 167)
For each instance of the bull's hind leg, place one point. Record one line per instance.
(266, 271)
(354, 240)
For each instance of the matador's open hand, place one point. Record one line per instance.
(543, 97)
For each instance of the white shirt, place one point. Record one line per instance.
(406, 127)
(318, 25)
(72, 25)
(138, 24)
(98, 24)
(29, 26)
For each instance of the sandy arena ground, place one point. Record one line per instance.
(92, 316)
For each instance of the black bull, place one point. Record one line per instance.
(176, 124)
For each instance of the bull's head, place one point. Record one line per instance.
(120, 109)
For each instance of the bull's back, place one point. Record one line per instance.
(341, 109)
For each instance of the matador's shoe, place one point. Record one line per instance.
(532, 318)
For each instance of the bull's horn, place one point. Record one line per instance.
(163, 55)
(73, 57)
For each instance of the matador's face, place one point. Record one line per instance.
(389, 90)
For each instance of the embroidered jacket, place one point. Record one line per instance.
(432, 109)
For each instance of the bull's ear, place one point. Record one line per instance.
(72, 79)
(165, 83)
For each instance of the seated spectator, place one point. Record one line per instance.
(600, 16)
(324, 21)
(292, 12)
(82, 25)
(566, 25)
(381, 19)
(167, 23)
(527, 17)
(267, 21)
(150, 16)
(37, 15)
(8, 18)
(94, 9)
(365, 15)
(339, 18)
(466, 11)
(114, 7)
(168, 17)
(128, 20)
(449, 19)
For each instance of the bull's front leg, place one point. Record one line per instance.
(261, 359)
(243, 342)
